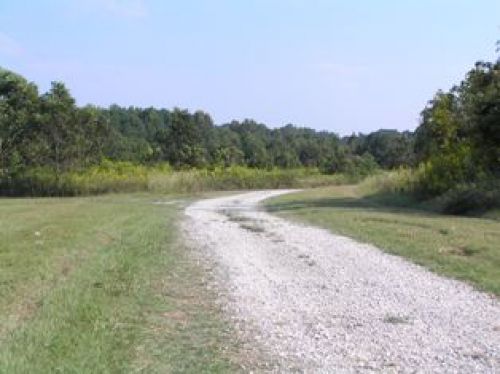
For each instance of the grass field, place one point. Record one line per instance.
(461, 247)
(102, 285)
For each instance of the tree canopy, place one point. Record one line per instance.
(50, 130)
(457, 141)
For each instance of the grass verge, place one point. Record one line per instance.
(464, 248)
(102, 285)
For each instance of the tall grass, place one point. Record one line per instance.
(402, 181)
(128, 177)
(237, 178)
(464, 198)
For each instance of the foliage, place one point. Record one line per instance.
(50, 146)
(389, 148)
(456, 148)
(458, 141)
(469, 198)
(124, 176)
(18, 108)
(475, 198)
(455, 151)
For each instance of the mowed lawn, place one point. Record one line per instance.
(103, 285)
(460, 247)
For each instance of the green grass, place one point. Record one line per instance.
(464, 248)
(103, 285)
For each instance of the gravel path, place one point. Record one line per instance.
(318, 302)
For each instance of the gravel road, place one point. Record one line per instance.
(313, 301)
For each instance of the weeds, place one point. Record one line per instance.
(128, 177)
(467, 198)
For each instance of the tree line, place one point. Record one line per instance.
(456, 143)
(50, 130)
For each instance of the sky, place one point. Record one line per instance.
(337, 65)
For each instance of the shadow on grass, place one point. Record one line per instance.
(383, 203)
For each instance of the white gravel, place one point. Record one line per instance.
(319, 302)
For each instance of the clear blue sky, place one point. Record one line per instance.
(339, 65)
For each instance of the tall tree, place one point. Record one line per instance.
(19, 108)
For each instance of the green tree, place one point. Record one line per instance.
(59, 127)
(19, 106)
(184, 141)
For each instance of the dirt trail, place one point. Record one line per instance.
(318, 302)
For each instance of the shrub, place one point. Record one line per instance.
(461, 198)
(470, 198)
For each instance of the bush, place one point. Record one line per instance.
(462, 198)
(443, 172)
(470, 198)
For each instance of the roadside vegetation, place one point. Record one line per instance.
(51, 147)
(464, 248)
(102, 285)
(457, 147)
(125, 176)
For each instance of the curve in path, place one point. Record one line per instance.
(319, 302)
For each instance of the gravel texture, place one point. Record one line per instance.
(318, 302)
